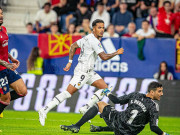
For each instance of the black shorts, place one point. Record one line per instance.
(112, 118)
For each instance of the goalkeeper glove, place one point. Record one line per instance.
(106, 91)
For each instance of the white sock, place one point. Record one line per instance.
(95, 98)
(57, 100)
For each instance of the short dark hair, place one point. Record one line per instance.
(47, 4)
(100, 3)
(84, 5)
(165, 2)
(153, 86)
(97, 21)
(145, 21)
(29, 23)
(1, 8)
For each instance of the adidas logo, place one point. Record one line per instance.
(112, 65)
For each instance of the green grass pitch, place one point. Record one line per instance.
(26, 123)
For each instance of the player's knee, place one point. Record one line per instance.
(23, 92)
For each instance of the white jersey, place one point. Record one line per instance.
(90, 48)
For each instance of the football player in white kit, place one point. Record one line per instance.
(90, 48)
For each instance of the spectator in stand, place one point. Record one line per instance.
(165, 20)
(176, 6)
(53, 3)
(131, 29)
(110, 32)
(29, 28)
(85, 29)
(177, 18)
(177, 35)
(101, 13)
(145, 31)
(152, 18)
(111, 5)
(64, 8)
(79, 15)
(121, 19)
(71, 29)
(35, 62)
(45, 18)
(132, 6)
(54, 29)
(145, 5)
(91, 4)
(61, 8)
(163, 73)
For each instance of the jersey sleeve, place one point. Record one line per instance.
(97, 47)
(80, 42)
(154, 115)
(120, 100)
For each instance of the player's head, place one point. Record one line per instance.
(1, 16)
(155, 90)
(47, 7)
(98, 27)
(167, 5)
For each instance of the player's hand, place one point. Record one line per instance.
(16, 62)
(68, 66)
(120, 51)
(106, 91)
(11, 66)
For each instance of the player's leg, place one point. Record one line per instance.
(99, 83)
(76, 83)
(4, 90)
(17, 84)
(54, 102)
(19, 89)
(91, 113)
(60, 98)
(4, 101)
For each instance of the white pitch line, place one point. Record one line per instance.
(38, 120)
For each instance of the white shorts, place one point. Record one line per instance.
(80, 78)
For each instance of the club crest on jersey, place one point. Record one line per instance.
(5, 43)
(79, 83)
(100, 45)
(4, 88)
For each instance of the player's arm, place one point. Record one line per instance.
(117, 100)
(14, 60)
(105, 56)
(72, 51)
(154, 120)
(10, 66)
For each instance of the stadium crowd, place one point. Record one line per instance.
(121, 17)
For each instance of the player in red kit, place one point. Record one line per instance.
(8, 76)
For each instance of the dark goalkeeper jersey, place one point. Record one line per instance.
(140, 111)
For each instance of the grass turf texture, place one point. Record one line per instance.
(27, 123)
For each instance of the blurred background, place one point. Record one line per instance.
(41, 32)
